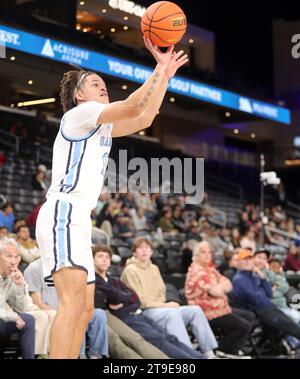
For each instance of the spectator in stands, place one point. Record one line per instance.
(105, 215)
(194, 231)
(103, 199)
(7, 217)
(141, 275)
(208, 289)
(253, 292)
(28, 247)
(292, 261)
(38, 180)
(216, 243)
(124, 303)
(43, 324)
(165, 222)
(14, 293)
(128, 200)
(179, 223)
(46, 298)
(32, 217)
(138, 218)
(18, 222)
(2, 158)
(244, 222)
(224, 265)
(280, 288)
(143, 200)
(232, 267)
(248, 240)
(123, 227)
(235, 238)
(187, 254)
(3, 231)
(225, 237)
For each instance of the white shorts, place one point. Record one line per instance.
(63, 234)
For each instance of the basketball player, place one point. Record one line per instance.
(80, 156)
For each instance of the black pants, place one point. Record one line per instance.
(235, 328)
(278, 320)
(167, 343)
(27, 334)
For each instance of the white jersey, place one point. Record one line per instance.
(80, 154)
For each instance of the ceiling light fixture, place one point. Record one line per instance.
(36, 102)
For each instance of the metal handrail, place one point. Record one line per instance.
(43, 154)
(290, 236)
(15, 145)
(217, 211)
(101, 232)
(224, 185)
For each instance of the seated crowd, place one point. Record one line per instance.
(231, 284)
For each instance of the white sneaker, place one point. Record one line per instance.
(223, 355)
(94, 357)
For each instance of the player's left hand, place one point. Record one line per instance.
(177, 60)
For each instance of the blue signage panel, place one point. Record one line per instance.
(88, 59)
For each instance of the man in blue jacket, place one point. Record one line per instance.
(124, 303)
(253, 292)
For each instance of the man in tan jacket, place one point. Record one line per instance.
(14, 300)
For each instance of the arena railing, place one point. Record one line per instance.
(224, 185)
(10, 140)
(288, 237)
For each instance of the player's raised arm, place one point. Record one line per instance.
(139, 100)
(149, 97)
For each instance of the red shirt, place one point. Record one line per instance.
(292, 263)
(198, 283)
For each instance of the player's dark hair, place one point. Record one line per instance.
(71, 81)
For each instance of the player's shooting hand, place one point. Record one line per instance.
(162, 58)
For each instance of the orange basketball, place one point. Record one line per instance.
(164, 23)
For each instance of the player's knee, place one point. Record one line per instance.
(74, 304)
